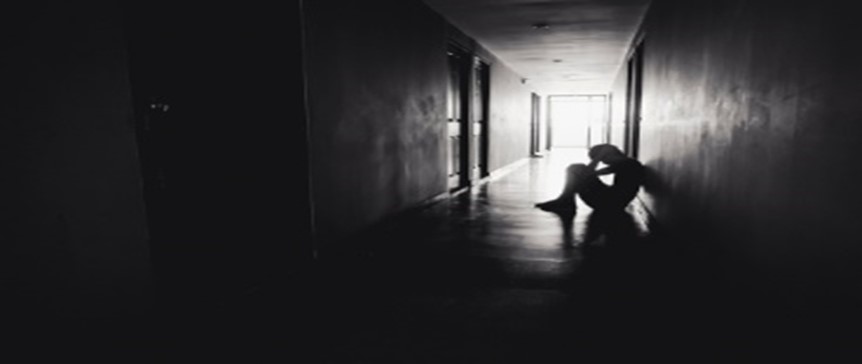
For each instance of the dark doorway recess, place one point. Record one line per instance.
(535, 140)
(221, 130)
(634, 91)
(458, 116)
(481, 113)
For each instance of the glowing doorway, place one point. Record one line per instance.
(578, 121)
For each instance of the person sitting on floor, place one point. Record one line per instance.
(583, 180)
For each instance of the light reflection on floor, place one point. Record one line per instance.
(498, 221)
(487, 267)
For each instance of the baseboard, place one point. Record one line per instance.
(493, 176)
(338, 247)
(642, 213)
(505, 170)
(432, 201)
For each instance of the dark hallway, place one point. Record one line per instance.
(336, 181)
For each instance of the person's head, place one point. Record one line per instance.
(606, 153)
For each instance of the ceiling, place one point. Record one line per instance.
(580, 51)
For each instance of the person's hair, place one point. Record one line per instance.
(602, 150)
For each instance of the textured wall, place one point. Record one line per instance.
(510, 117)
(510, 106)
(377, 89)
(618, 110)
(752, 127)
(72, 227)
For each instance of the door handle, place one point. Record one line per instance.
(158, 106)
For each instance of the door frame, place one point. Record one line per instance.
(535, 124)
(549, 131)
(464, 81)
(482, 69)
(634, 97)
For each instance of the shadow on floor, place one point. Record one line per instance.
(481, 278)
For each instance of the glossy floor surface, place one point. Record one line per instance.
(483, 277)
(487, 277)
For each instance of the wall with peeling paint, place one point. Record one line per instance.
(509, 109)
(377, 87)
(510, 117)
(751, 131)
(618, 110)
(377, 93)
(72, 224)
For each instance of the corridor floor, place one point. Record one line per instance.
(484, 277)
(487, 277)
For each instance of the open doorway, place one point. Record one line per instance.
(578, 121)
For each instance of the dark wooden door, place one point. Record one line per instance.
(480, 110)
(633, 102)
(457, 118)
(221, 128)
(535, 140)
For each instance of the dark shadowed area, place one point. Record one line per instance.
(336, 181)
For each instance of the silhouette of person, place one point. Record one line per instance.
(583, 180)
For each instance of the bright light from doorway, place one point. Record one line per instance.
(578, 121)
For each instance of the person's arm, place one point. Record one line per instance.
(591, 169)
(610, 169)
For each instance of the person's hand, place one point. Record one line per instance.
(602, 152)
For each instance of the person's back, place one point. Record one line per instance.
(628, 177)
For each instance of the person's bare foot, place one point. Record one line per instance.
(557, 205)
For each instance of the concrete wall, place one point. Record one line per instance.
(72, 226)
(510, 106)
(510, 117)
(618, 109)
(377, 105)
(751, 133)
(377, 91)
